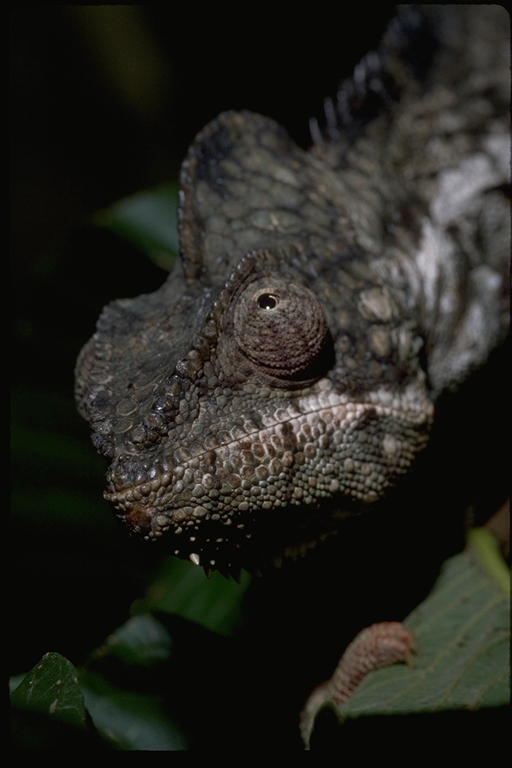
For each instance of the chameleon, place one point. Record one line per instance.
(286, 375)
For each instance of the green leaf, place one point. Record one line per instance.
(51, 688)
(149, 220)
(487, 550)
(462, 636)
(181, 588)
(142, 640)
(145, 688)
(127, 718)
(51, 449)
(129, 721)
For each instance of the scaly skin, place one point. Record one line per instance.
(286, 373)
(374, 647)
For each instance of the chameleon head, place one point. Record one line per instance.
(277, 380)
(263, 436)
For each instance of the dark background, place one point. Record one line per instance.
(104, 102)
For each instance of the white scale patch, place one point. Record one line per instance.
(458, 187)
(437, 286)
(457, 190)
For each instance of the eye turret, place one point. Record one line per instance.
(280, 328)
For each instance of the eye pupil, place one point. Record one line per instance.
(267, 301)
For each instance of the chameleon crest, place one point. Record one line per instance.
(286, 373)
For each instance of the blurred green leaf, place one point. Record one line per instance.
(129, 721)
(182, 588)
(51, 688)
(57, 489)
(60, 507)
(52, 449)
(144, 687)
(487, 551)
(149, 220)
(142, 640)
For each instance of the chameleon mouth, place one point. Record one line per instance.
(214, 544)
(259, 495)
(254, 542)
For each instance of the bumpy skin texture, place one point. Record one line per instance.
(286, 373)
(374, 647)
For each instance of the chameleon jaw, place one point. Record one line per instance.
(278, 484)
(253, 542)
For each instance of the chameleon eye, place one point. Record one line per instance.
(267, 301)
(285, 340)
